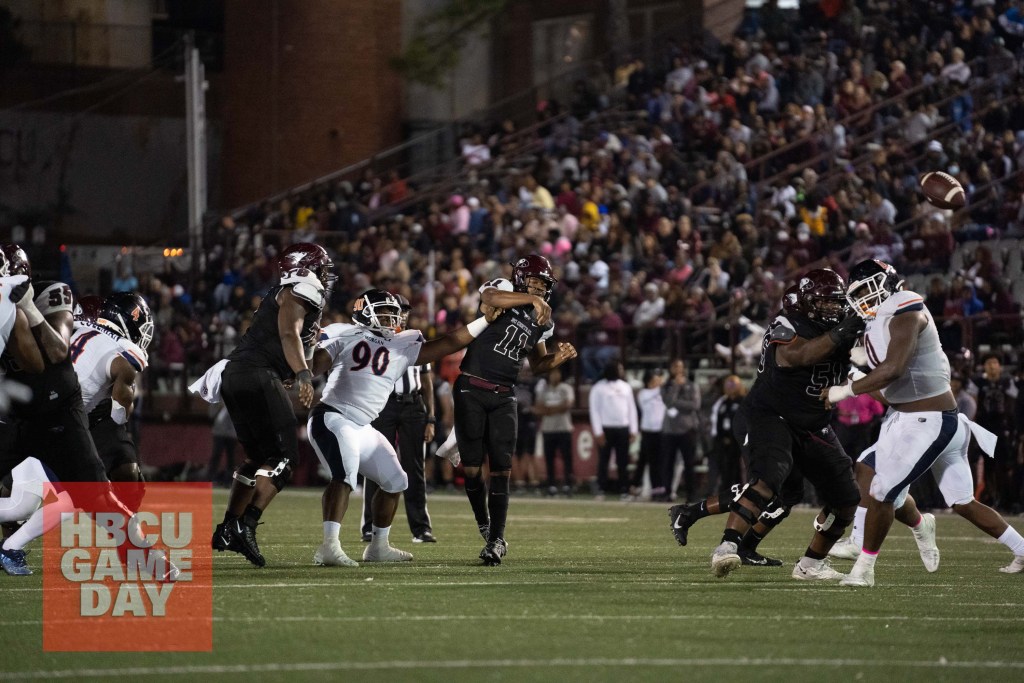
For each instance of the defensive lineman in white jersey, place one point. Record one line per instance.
(923, 430)
(363, 362)
(31, 488)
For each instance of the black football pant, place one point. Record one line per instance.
(403, 425)
(617, 439)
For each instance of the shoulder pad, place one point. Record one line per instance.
(782, 331)
(305, 286)
(53, 297)
(335, 330)
(134, 354)
(409, 337)
(498, 283)
(901, 302)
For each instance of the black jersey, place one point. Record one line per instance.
(497, 355)
(56, 387)
(261, 345)
(794, 393)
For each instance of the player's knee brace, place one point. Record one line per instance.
(775, 513)
(246, 473)
(758, 500)
(280, 474)
(832, 522)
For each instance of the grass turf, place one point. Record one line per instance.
(595, 591)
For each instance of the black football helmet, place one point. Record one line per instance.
(127, 314)
(406, 309)
(871, 283)
(536, 266)
(88, 307)
(17, 260)
(821, 297)
(378, 310)
(312, 258)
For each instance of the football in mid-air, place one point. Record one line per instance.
(943, 190)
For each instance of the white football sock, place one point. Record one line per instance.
(866, 560)
(857, 535)
(380, 534)
(332, 530)
(1012, 539)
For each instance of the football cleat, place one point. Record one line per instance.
(821, 570)
(859, 576)
(1015, 567)
(223, 540)
(845, 549)
(493, 552)
(425, 537)
(367, 536)
(725, 559)
(385, 553)
(924, 536)
(243, 540)
(13, 562)
(331, 555)
(681, 518)
(756, 559)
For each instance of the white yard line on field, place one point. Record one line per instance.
(495, 664)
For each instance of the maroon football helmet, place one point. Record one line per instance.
(88, 307)
(821, 296)
(17, 260)
(310, 257)
(536, 266)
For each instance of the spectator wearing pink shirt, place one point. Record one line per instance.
(857, 419)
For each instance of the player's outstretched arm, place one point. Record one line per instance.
(436, 349)
(903, 333)
(542, 361)
(801, 352)
(289, 326)
(54, 335)
(492, 296)
(23, 345)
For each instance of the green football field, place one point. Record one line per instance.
(590, 591)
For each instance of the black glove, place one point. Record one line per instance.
(19, 291)
(847, 331)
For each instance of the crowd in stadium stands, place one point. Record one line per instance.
(673, 229)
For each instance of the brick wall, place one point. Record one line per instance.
(307, 90)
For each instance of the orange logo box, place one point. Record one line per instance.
(106, 572)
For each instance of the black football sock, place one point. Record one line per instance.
(252, 516)
(497, 503)
(814, 555)
(700, 511)
(750, 540)
(477, 495)
(229, 516)
(732, 536)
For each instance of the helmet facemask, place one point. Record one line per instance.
(865, 296)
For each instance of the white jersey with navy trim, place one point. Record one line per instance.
(93, 350)
(927, 374)
(365, 367)
(8, 310)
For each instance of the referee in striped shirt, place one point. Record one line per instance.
(407, 421)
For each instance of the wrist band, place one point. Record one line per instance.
(477, 326)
